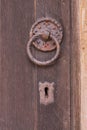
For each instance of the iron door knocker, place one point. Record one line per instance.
(46, 35)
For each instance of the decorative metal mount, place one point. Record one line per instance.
(46, 35)
(47, 27)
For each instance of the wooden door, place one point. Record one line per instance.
(20, 107)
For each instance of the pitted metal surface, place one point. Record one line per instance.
(47, 27)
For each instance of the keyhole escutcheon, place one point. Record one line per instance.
(46, 92)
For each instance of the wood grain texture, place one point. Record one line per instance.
(20, 107)
(57, 115)
(75, 66)
(16, 88)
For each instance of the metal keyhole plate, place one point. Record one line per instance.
(43, 26)
(46, 90)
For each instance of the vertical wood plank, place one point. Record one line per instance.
(57, 115)
(16, 88)
(75, 66)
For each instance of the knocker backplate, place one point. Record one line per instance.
(42, 26)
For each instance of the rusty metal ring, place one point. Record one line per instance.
(34, 60)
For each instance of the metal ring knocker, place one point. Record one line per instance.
(42, 63)
(51, 32)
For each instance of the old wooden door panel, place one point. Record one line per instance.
(20, 106)
(57, 115)
(16, 88)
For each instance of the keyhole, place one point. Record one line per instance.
(46, 91)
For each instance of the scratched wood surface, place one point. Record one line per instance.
(20, 106)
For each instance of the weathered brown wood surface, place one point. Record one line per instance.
(75, 66)
(20, 106)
